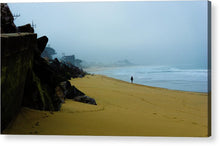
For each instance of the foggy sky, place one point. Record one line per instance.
(154, 33)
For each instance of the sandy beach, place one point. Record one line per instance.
(123, 109)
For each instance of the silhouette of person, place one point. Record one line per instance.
(132, 79)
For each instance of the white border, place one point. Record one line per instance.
(86, 0)
(157, 141)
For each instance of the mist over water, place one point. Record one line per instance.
(150, 33)
(169, 38)
(195, 80)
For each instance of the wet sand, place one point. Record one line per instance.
(123, 109)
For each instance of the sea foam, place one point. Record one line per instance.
(195, 80)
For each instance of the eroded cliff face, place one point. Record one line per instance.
(31, 81)
(24, 73)
(17, 52)
(26, 78)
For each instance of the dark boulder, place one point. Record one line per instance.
(42, 42)
(71, 92)
(40, 86)
(7, 20)
(38, 94)
(42, 81)
(60, 94)
(25, 28)
(66, 70)
(48, 53)
(85, 99)
(65, 85)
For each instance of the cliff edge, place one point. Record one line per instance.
(26, 78)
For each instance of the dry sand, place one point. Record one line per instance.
(123, 109)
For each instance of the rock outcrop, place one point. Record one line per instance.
(65, 90)
(26, 78)
(66, 70)
(48, 53)
(25, 28)
(31, 81)
(17, 54)
(7, 22)
(85, 99)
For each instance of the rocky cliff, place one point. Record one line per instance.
(26, 78)
(17, 53)
(29, 80)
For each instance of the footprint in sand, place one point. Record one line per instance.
(154, 113)
(45, 116)
(35, 132)
(194, 123)
(37, 124)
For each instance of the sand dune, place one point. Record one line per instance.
(123, 109)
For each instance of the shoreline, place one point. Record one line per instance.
(148, 86)
(123, 109)
(154, 76)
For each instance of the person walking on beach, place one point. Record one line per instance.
(132, 79)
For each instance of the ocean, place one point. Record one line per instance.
(195, 80)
